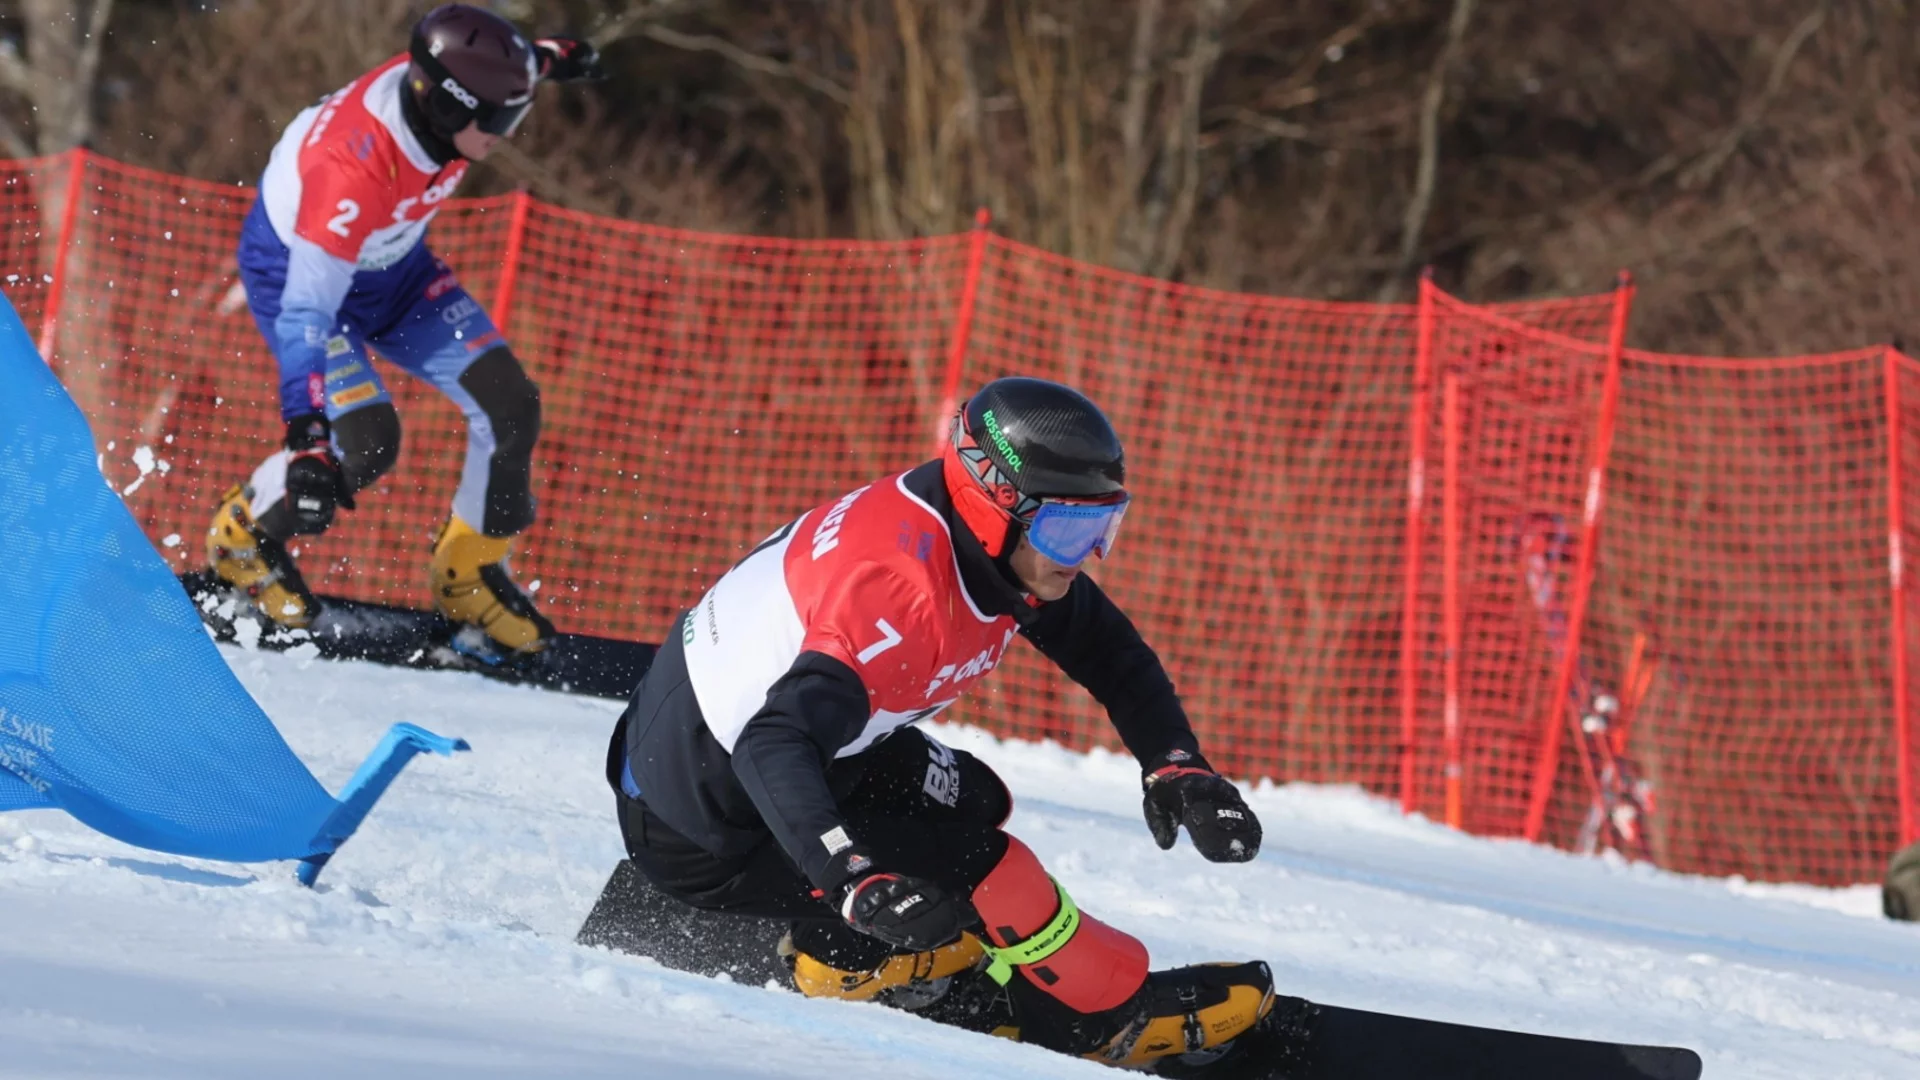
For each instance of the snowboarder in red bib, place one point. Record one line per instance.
(768, 764)
(334, 259)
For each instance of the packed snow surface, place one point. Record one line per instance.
(440, 940)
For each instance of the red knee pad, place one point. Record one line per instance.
(1096, 969)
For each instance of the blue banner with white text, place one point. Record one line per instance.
(115, 705)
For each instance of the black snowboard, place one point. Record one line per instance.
(1338, 1042)
(386, 634)
(1299, 1040)
(632, 916)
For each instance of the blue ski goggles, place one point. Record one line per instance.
(1068, 532)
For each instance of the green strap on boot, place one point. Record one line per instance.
(1037, 946)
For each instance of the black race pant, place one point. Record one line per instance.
(496, 487)
(922, 809)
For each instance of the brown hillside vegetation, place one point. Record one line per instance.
(1751, 161)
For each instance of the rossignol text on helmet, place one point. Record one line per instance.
(1028, 454)
(470, 66)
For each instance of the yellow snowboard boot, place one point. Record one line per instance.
(900, 980)
(472, 586)
(1192, 1012)
(255, 564)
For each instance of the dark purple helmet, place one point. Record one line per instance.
(470, 66)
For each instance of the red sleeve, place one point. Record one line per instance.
(342, 200)
(875, 621)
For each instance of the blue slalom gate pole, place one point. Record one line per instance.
(370, 782)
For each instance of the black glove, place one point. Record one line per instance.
(906, 912)
(1182, 790)
(567, 59)
(315, 484)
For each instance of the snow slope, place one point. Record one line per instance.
(439, 943)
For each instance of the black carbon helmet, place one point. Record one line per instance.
(1020, 440)
(470, 65)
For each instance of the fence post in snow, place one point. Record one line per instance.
(1450, 598)
(962, 325)
(510, 266)
(1896, 584)
(50, 321)
(1421, 410)
(1588, 545)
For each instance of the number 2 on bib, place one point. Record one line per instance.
(349, 213)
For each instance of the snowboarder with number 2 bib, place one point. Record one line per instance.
(768, 764)
(334, 259)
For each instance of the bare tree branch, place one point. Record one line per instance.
(866, 131)
(642, 20)
(1303, 86)
(624, 24)
(531, 170)
(1674, 163)
(1428, 169)
(1274, 126)
(1133, 114)
(751, 61)
(1156, 219)
(1209, 26)
(80, 122)
(14, 74)
(1661, 250)
(920, 189)
(16, 143)
(960, 143)
(1033, 65)
(96, 35)
(1703, 171)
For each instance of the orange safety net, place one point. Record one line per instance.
(698, 390)
(1727, 705)
(1744, 562)
(33, 197)
(1509, 448)
(1263, 557)
(702, 390)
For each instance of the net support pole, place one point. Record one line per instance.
(369, 782)
(50, 322)
(1410, 556)
(1410, 600)
(1450, 604)
(1896, 584)
(1588, 549)
(1419, 412)
(962, 326)
(510, 266)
